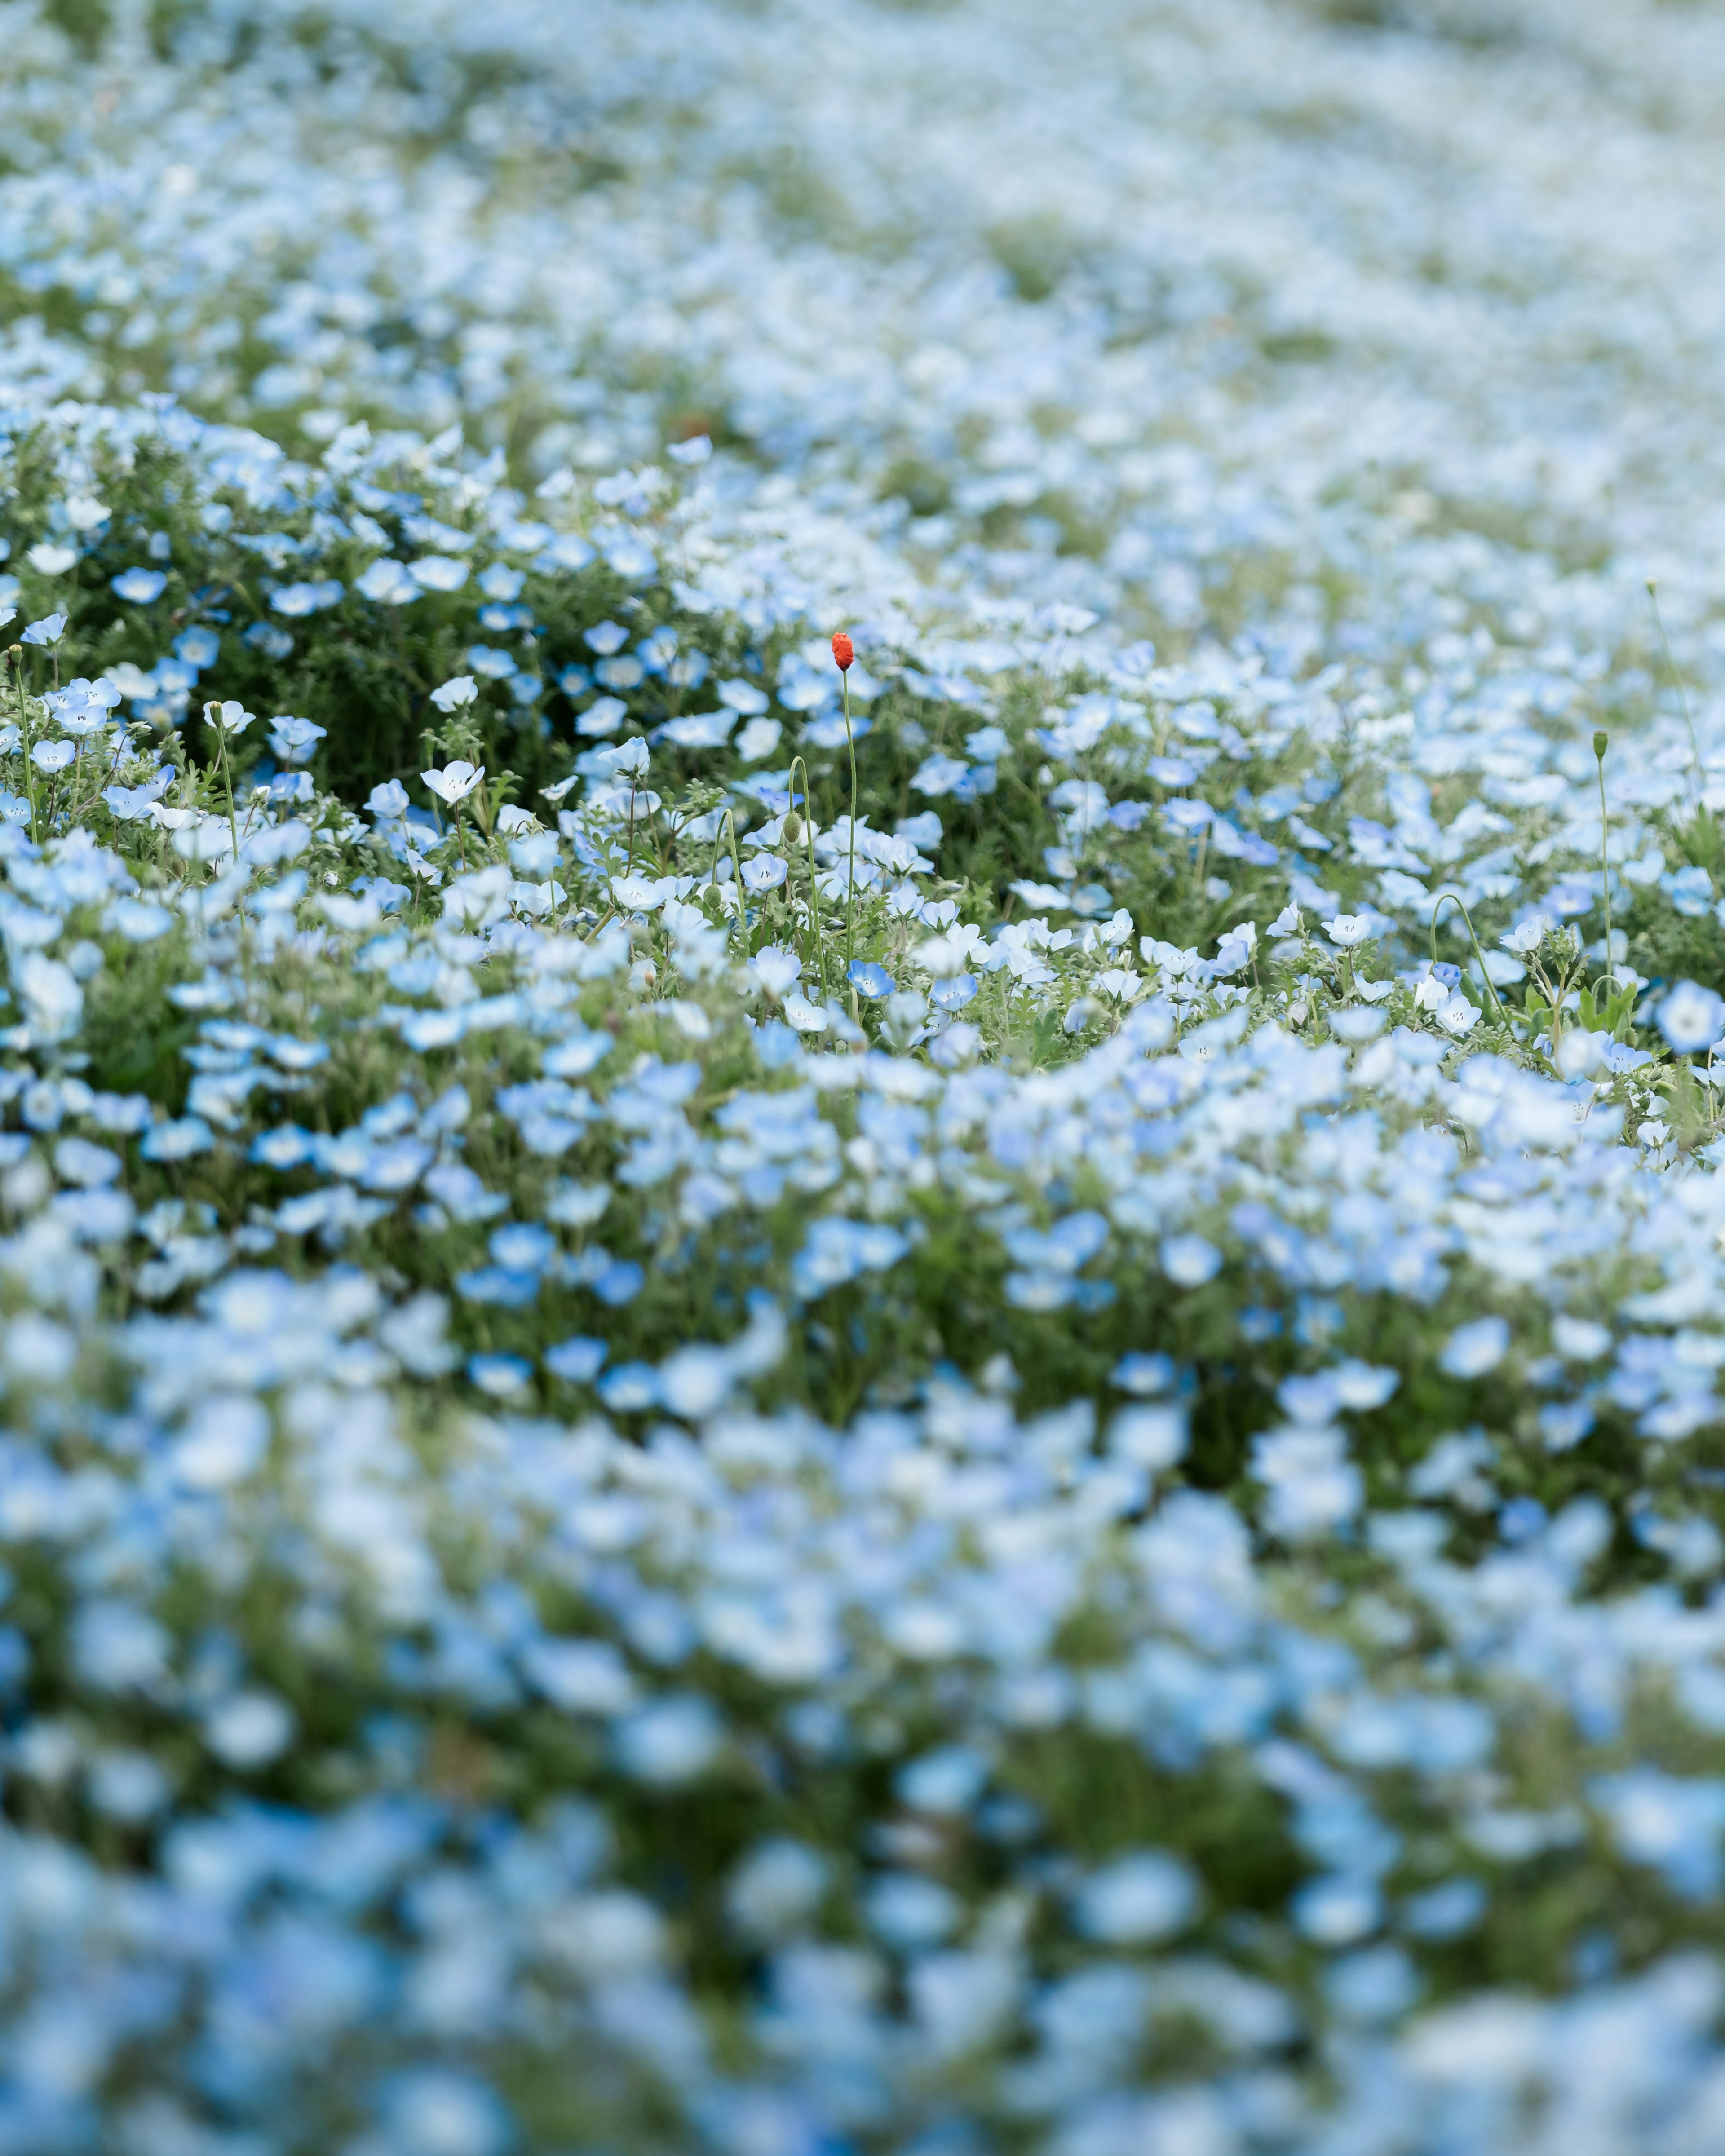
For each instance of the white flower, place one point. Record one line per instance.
(231, 716)
(1288, 921)
(1528, 935)
(776, 968)
(1456, 1015)
(53, 1002)
(804, 1015)
(758, 738)
(454, 782)
(1472, 1350)
(457, 694)
(1350, 929)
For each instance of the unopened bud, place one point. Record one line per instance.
(1602, 741)
(792, 827)
(842, 652)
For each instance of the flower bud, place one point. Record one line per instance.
(1602, 741)
(842, 652)
(792, 827)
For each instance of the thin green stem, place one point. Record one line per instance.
(1485, 971)
(1671, 658)
(23, 715)
(227, 779)
(850, 887)
(820, 943)
(725, 817)
(1600, 746)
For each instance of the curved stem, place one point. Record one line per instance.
(820, 942)
(1451, 898)
(726, 817)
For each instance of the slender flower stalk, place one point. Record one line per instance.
(1450, 897)
(1602, 741)
(213, 717)
(16, 655)
(807, 833)
(737, 864)
(844, 654)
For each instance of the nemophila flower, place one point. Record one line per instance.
(837, 1435)
(804, 1016)
(456, 695)
(1473, 1349)
(139, 586)
(294, 740)
(1349, 931)
(758, 739)
(1142, 1896)
(764, 872)
(1528, 935)
(1691, 1017)
(231, 717)
(1456, 1015)
(1190, 1261)
(298, 600)
(48, 630)
(436, 572)
(388, 583)
(454, 782)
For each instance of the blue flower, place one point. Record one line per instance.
(139, 586)
(49, 630)
(577, 1362)
(1692, 1017)
(498, 1375)
(489, 664)
(870, 980)
(297, 600)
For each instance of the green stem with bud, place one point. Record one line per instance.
(1602, 741)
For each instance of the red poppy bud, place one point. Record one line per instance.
(842, 651)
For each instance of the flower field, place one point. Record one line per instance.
(862, 1243)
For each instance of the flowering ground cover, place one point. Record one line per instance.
(860, 1208)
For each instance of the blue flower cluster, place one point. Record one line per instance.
(1021, 1450)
